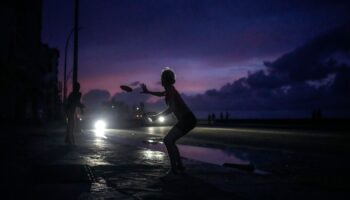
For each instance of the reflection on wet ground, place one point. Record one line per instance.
(152, 141)
(95, 160)
(152, 155)
(207, 155)
(210, 155)
(153, 151)
(100, 133)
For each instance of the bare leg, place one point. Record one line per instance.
(70, 128)
(174, 155)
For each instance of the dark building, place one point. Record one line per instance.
(24, 61)
(49, 89)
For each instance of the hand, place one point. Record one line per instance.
(144, 88)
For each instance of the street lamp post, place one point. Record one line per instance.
(75, 53)
(65, 67)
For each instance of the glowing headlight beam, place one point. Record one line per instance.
(100, 125)
(161, 119)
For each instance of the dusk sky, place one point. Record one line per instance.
(209, 43)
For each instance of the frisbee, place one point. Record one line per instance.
(126, 88)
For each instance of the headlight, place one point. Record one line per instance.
(100, 125)
(161, 119)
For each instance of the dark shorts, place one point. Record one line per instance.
(186, 123)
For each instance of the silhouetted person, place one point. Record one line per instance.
(213, 118)
(186, 119)
(319, 113)
(209, 119)
(227, 116)
(73, 102)
(316, 114)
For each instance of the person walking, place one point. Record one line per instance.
(73, 102)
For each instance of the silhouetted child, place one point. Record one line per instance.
(213, 118)
(73, 102)
(186, 119)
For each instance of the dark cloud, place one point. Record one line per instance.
(311, 61)
(262, 79)
(285, 83)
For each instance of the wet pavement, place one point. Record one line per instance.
(132, 164)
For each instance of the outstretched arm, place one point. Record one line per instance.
(163, 113)
(146, 91)
(80, 105)
(169, 110)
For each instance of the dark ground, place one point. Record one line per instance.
(36, 164)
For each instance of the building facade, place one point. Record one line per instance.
(26, 63)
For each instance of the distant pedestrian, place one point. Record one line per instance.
(209, 119)
(186, 119)
(73, 103)
(227, 116)
(213, 118)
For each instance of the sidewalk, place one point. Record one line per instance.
(36, 164)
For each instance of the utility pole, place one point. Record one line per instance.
(65, 67)
(75, 51)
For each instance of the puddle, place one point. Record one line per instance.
(203, 154)
(207, 155)
(210, 155)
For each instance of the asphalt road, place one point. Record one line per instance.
(273, 150)
(254, 138)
